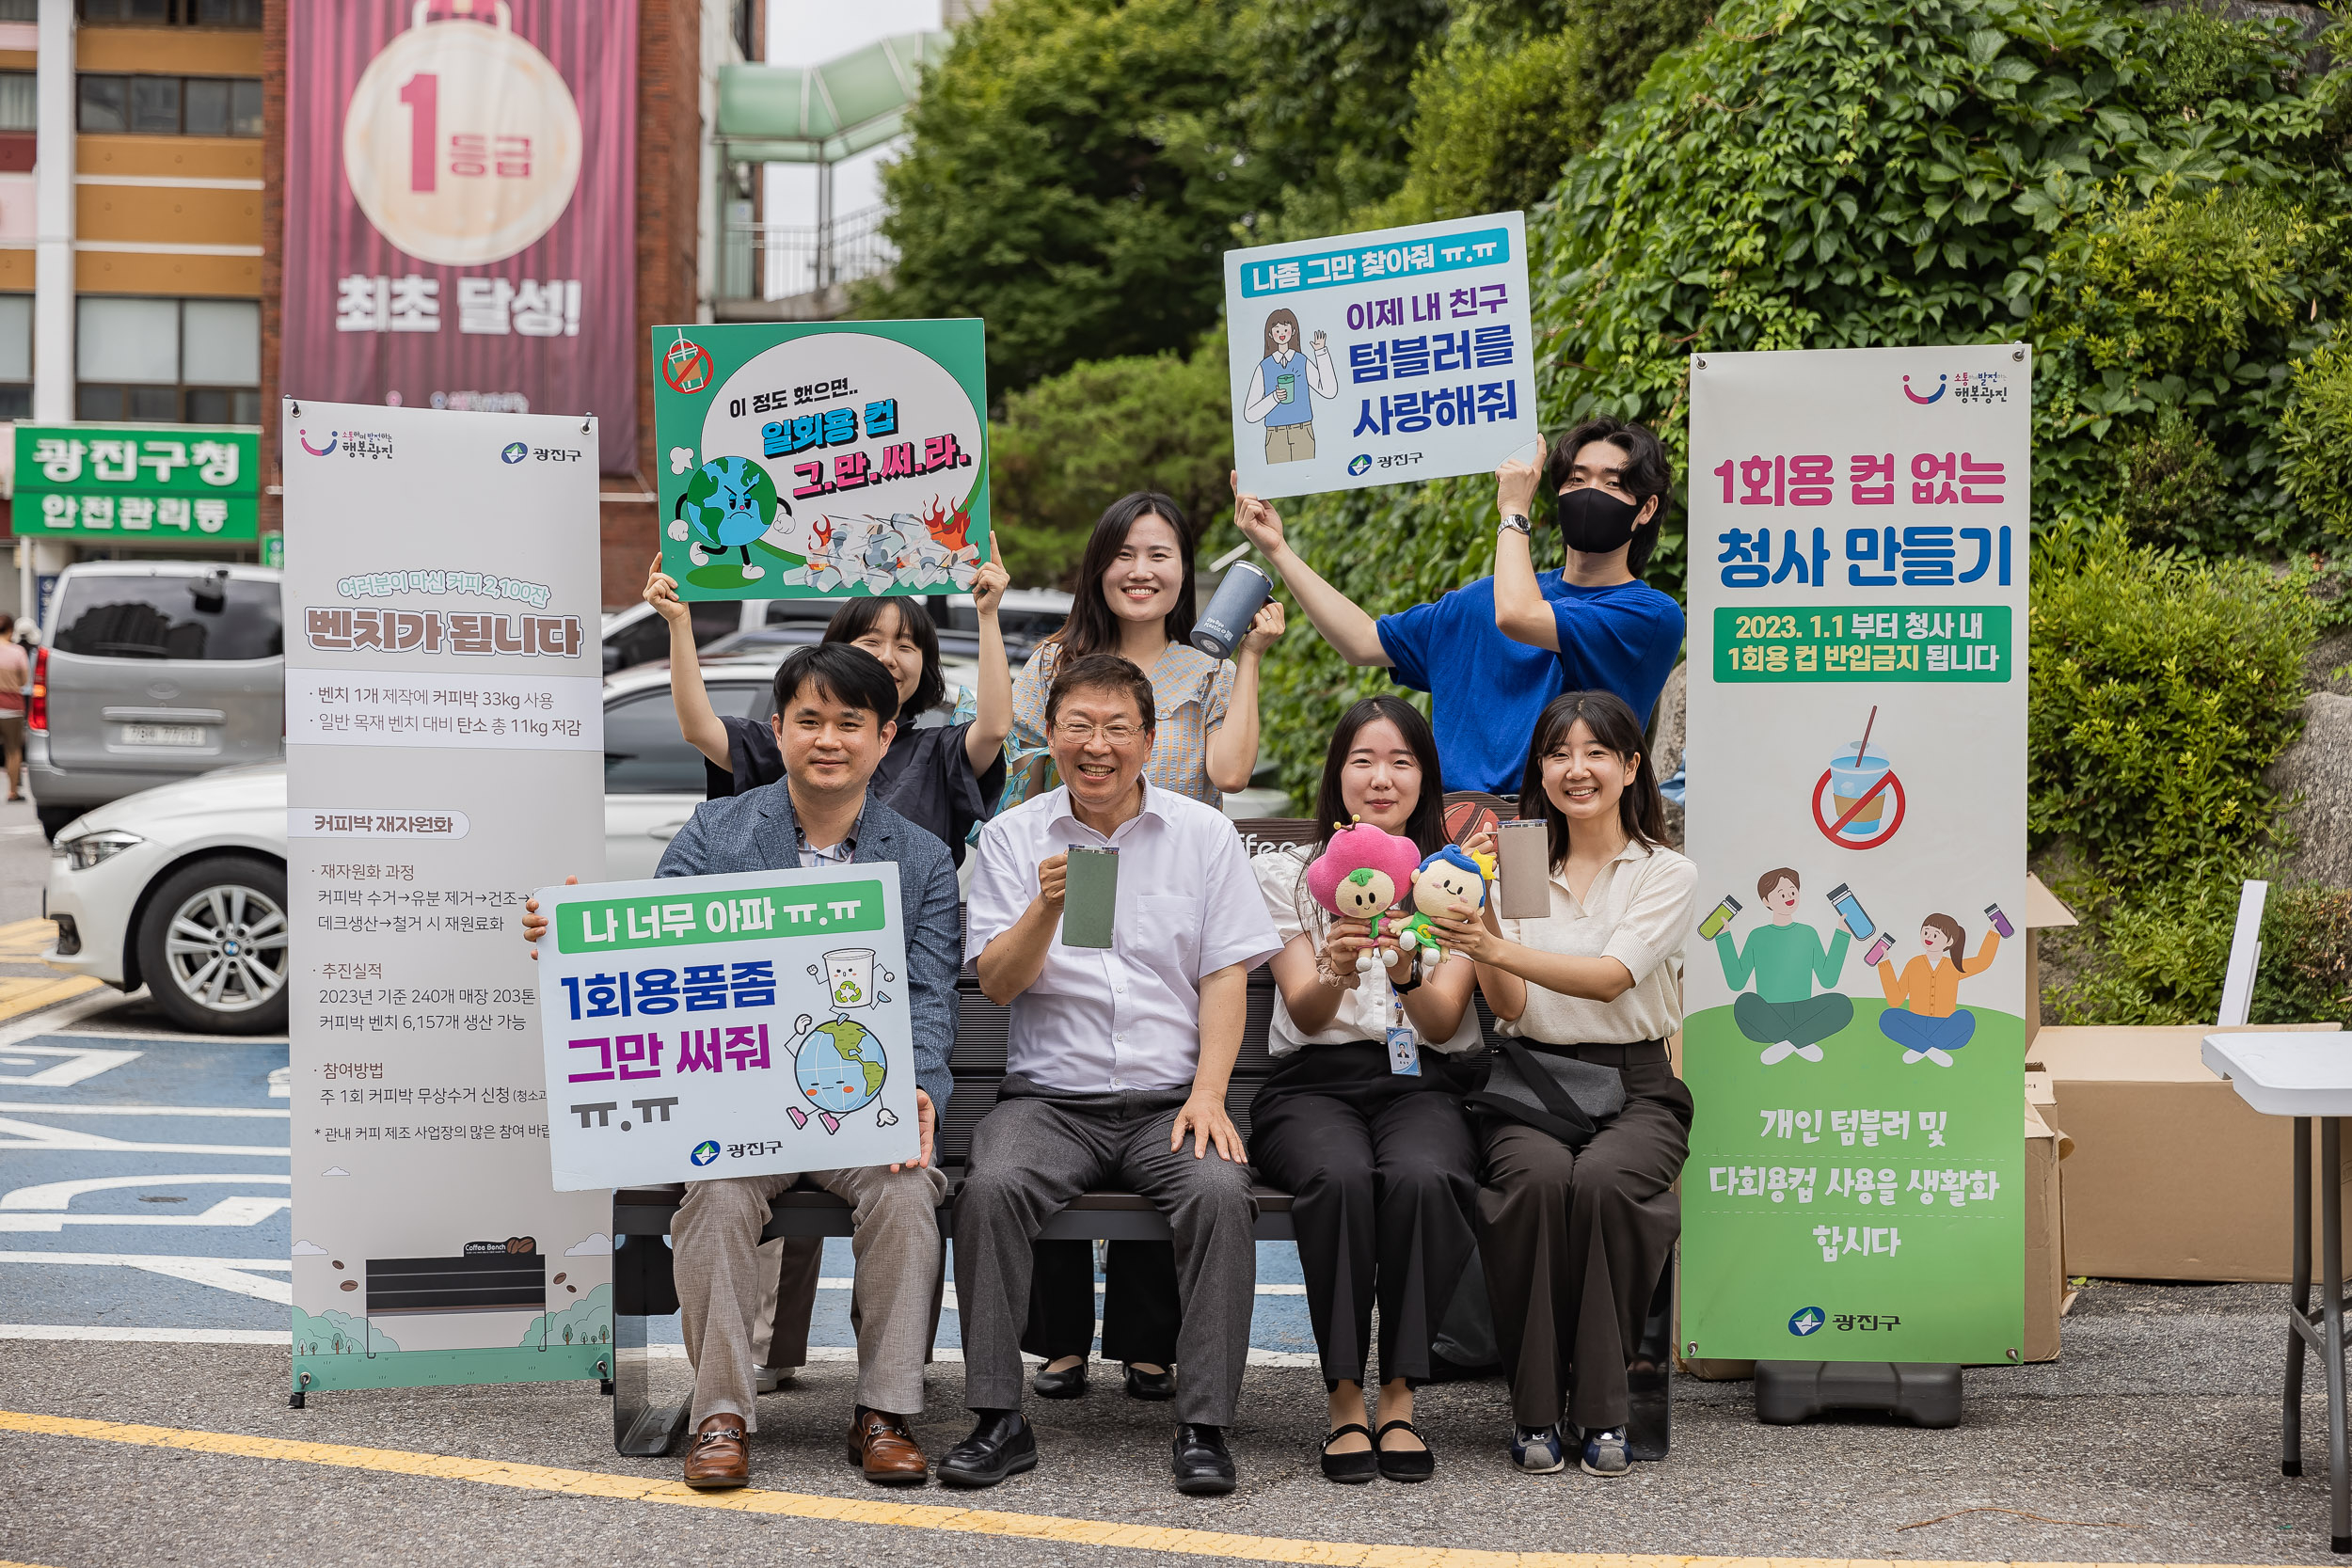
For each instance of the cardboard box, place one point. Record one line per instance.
(2173, 1176)
(2046, 1295)
(2042, 913)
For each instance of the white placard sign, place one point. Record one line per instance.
(444, 726)
(748, 1025)
(1375, 358)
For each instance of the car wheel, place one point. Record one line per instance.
(213, 945)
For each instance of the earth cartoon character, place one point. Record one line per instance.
(1452, 879)
(729, 502)
(1360, 875)
(839, 1066)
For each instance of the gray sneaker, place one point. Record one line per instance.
(1606, 1451)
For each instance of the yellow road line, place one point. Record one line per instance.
(905, 1515)
(20, 996)
(24, 939)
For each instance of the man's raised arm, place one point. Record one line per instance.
(1340, 620)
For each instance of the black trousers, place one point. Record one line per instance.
(1141, 1316)
(1384, 1176)
(1574, 1241)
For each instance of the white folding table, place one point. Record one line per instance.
(2309, 1077)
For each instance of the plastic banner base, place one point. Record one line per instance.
(1925, 1394)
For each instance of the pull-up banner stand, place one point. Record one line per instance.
(1855, 999)
(444, 740)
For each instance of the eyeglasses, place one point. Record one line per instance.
(1078, 732)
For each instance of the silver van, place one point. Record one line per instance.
(150, 672)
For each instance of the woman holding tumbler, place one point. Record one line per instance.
(1574, 1239)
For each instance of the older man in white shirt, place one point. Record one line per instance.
(1117, 1056)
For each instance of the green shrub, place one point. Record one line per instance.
(2160, 957)
(2161, 687)
(1493, 125)
(2316, 438)
(1068, 446)
(2173, 488)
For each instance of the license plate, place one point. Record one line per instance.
(163, 735)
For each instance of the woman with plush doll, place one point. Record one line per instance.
(1362, 1119)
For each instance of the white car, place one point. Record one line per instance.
(183, 887)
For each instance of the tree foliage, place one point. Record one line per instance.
(1068, 445)
(1075, 174)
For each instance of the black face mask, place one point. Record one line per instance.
(1595, 521)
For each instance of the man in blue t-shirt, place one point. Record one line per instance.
(1491, 654)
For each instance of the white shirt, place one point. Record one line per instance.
(1126, 1017)
(1281, 870)
(1636, 912)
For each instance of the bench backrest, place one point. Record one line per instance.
(979, 1061)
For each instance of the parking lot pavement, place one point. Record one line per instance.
(2154, 1440)
(144, 1244)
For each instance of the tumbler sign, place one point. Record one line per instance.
(1854, 1005)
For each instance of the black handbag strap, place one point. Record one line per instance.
(1562, 1116)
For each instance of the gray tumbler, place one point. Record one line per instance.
(1239, 597)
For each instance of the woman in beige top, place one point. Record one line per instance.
(1574, 1241)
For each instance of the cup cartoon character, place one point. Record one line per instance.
(849, 977)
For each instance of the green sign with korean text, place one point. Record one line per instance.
(1861, 643)
(838, 459)
(745, 914)
(137, 485)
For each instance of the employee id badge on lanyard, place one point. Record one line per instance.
(1403, 1044)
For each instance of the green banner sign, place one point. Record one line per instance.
(752, 914)
(136, 484)
(1862, 643)
(822, 461)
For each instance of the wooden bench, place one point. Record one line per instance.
(643, 1286)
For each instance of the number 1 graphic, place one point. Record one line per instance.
(423, 94)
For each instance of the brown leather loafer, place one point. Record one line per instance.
(719, 1456)
(885, 1450)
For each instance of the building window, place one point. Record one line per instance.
(16, 357)
(20, 10)
(155, 13)
(20, 102)
(172, 106)
(166, 361)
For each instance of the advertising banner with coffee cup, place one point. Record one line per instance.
(444, 756)
(754, 1023)
(1854, 1000)
(1378, 358)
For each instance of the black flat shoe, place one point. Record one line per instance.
(1349, 1469)
(1001, 1444)
(1151, 1386)
(1203, 1465)
(1404, 1463)
(1068, 1384)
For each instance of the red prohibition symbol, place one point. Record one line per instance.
(1835, 830)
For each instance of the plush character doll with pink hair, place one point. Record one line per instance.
(1362, 874)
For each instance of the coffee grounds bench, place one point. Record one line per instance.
(643, 1286)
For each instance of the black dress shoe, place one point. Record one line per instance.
(1068, 1384)
(1203, 1465)
(1349, 1469)
(1001, 1444)
(1406, 1463)
(1150, 1386)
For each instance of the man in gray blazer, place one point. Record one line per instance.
(836, 713)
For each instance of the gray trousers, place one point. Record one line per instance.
(1030, 1156)
(723, 1283)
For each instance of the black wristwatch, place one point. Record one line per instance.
(1403, 986)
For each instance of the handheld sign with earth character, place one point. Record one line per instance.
(748, 1024)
